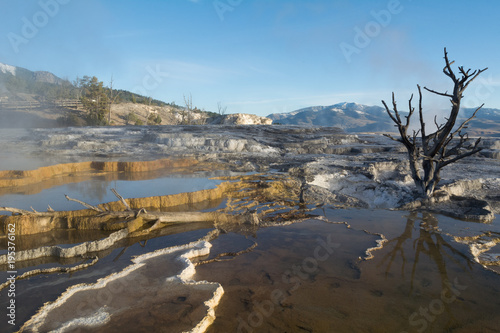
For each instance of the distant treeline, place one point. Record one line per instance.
(127, 96)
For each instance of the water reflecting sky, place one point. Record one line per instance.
(96, 191)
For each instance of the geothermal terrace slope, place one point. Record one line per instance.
(361, 170)
(329, 168)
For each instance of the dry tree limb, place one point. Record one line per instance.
(432, 151)
(121, 199)
(18, 211)
(141, 211)
(97, 209)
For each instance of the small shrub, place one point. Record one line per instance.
(154, 119)
(131, 118)
(71, 120)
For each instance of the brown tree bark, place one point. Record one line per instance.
(447, 144)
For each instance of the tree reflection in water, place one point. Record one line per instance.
(429, 241)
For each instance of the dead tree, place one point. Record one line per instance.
(188, 101)
(113, 96)
(222, 109)
(447, 144)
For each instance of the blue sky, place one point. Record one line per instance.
(261, 56)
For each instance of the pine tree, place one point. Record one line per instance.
(95, 101)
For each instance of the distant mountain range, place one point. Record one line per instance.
(18, 83)
(356, 118)
(351, 117)
(7, 71)
(21, 84)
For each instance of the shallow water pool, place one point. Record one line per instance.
(97, 190)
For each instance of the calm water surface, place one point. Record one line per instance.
(97, 190)
(421, 281)
(304, 277)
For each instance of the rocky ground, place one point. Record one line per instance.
(335, 168)
(275, 166)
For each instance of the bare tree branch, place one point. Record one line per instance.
(474, 150)
(472, 79)
(433, 151)
(438, 93)
(97, 209)
(188, 101)
(463, 125)
(121, 199)
(222, 109)
(16, 211)
(447, 69)
(392, 138)
(390, 114)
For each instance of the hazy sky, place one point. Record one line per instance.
(259, 56)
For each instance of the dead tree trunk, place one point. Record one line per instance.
(188, 101)
(447, 144)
